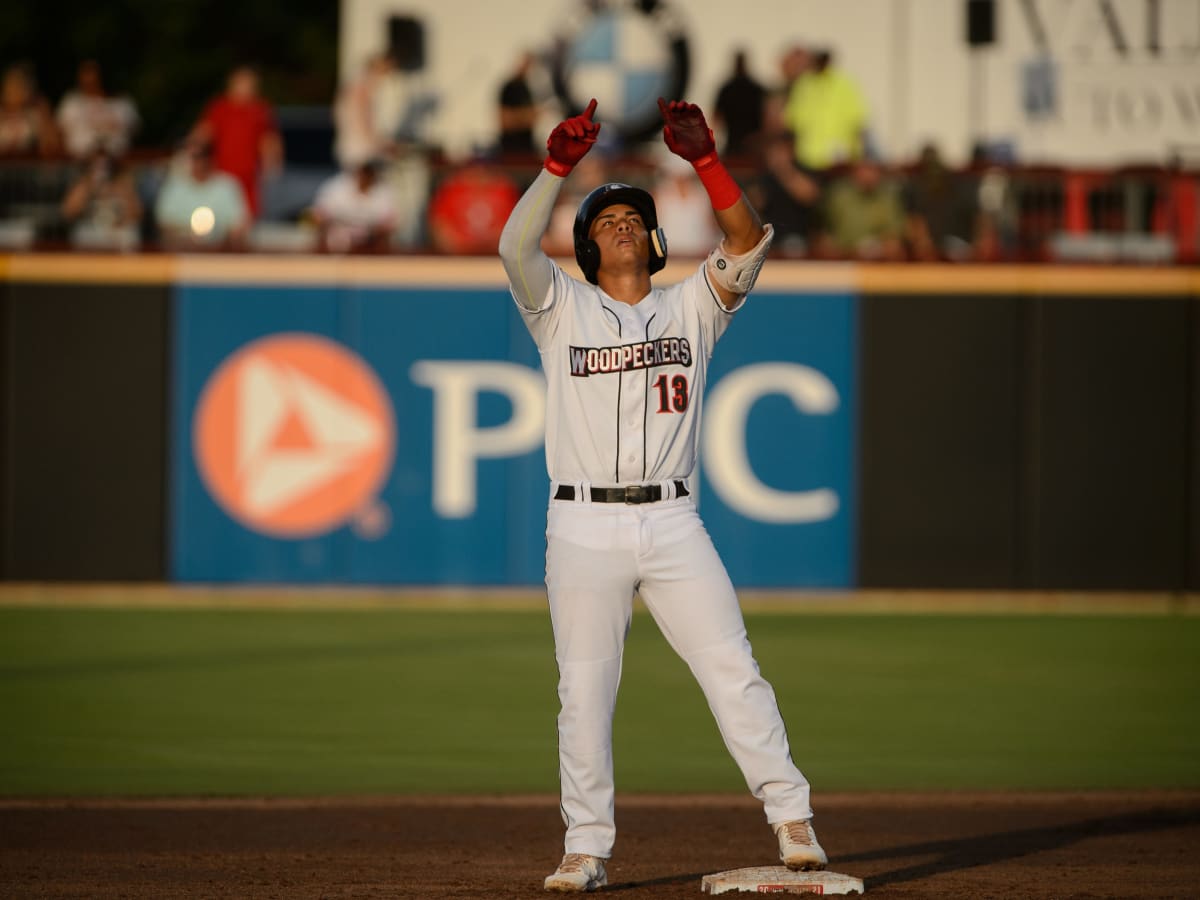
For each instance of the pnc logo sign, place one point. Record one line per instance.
(294, 436)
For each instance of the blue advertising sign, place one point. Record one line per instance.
(349, 434)
(779, 447)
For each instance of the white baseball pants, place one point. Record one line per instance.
(598, 555)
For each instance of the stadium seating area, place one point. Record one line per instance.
(1136, 215)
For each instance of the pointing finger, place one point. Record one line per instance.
(591, 109)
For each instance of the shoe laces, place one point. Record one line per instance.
(799, 832)
(573, 862)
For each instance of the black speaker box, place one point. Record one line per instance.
(981, 22)
(406, 43)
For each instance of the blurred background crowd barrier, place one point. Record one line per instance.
(1139, 215)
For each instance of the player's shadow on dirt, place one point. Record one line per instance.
(983, 850)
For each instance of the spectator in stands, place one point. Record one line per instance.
(200, 207)
(26, 124)
(102, 207)
(469, 208)
(786, 196)
(684, 209)
(997, 201)
(864, 215)
(361, 131)
(355, 210)
(827, 114)
(943, 216)
(739, 109)
(518, 111)
(241, 128)
(794, 63)
(91, 119)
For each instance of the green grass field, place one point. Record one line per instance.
(398, 700)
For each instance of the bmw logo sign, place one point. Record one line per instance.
(626, 54)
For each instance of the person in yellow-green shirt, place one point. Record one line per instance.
(864, 215)
(826, 113)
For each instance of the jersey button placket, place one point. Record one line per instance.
(633, 434)
(632, 413)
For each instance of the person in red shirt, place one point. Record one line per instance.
(241, 128)
(469, 209)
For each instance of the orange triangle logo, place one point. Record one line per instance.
(293, 434)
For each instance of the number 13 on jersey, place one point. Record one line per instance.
(672, 393)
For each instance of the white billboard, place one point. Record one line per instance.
(1100, 82)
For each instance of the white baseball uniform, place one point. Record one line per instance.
(624, 397)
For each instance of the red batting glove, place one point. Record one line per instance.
(688, 135)
(686, 132)
(570, 141)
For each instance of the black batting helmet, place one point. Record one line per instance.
(587, 253)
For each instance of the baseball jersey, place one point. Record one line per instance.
(624, 384)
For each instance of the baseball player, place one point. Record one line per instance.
(625, 366)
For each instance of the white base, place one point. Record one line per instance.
(778, 880)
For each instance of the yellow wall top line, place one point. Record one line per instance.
(436, 271)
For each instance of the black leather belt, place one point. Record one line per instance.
(635, 493)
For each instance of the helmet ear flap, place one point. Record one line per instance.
(658, 249)
(587, 254)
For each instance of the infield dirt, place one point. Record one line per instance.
(1060, 845)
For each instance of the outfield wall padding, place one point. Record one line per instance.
(85, 421)
(1027, 441)
(6, 510)
(1191, 534)
(1110, 442)
(1012, 427)
(940, 472)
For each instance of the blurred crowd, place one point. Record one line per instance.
(801, 146)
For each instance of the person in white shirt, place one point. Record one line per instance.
(684, 211)
(90, 119)
(360, 122)
(356, 210)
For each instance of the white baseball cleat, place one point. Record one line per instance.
(578, 872)
(798, 847)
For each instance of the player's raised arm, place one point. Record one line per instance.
(733, 267)
(529, 269)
